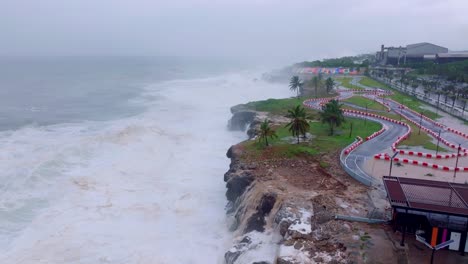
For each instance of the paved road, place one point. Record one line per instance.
(356, 159)
(451, 137)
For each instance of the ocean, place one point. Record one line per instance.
(118, 159)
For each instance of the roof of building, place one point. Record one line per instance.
(426, 195)
(415, 45)
(453, 55)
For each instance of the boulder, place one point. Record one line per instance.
(240, 120)
(236, 185)
(257, 221)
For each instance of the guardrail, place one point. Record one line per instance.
(364, 180)
(361, 219)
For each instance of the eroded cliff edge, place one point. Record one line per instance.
(282, 209)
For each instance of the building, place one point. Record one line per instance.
(437, 211)
(418, 52)
(451, 57)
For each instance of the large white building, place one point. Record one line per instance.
(411, 53)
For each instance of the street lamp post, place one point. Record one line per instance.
(456, 162)
(391, 163)
(365, 119)
(420, 124)
(438, 140)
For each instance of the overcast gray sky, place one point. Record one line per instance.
(292, 29)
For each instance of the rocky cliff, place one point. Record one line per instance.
(274, 222)
(282, 210)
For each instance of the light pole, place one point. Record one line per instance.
(391, 163)
(456, 162)
(365, 119)
(438, 140)
(420, 123)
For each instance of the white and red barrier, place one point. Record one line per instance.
(420, 163)
(354, 145)
(465, 135)
(394, 144)
(376, 134)
(416, 113)
(431, 155)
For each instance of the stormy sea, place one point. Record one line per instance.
(118, 159)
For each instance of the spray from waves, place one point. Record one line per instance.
(143, 189)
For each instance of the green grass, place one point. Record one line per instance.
(371, 83)
(321, 143)
(407, 100)
(423, 140)
(362, 102)
(346, 82)
(278, 106)
(413, 103)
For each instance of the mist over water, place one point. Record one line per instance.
(140, 184)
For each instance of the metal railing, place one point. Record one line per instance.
(361, 219)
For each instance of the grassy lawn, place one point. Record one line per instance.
(407, 100)
(423, 140)
(371, 83)
(321, 143)
(278, 106)
(413, 103)
(346, 82)
(362, 101)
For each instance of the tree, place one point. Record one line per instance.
(329, 83)
(366, 72)
(449, 91)
(438, 93)
(454, 98)
(316, 83)
(298, 125)
(402, 80)
(426, 92)
(332, 114)
(295, 84)
(464, 101)
(266, 132)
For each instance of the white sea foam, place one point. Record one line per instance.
(146, 189)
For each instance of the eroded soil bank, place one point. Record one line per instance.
(283, 208)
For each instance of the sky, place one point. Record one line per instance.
(292, 30)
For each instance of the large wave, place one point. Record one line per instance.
(144, 189)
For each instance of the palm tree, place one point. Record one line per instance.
(316, 83)
(450, 90)
(426, 91)
(295, 84)
(266, 132)
(332, 114)
(464, 101)
(454, 98)
(329, 83)
(402, 80)
(298, 125)
(438, 93)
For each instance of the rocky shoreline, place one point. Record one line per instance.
(282, 210)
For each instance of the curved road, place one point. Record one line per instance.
(356, 159)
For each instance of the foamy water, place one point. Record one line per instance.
(145, 189)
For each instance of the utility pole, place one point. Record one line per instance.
(391, 163)
(365, 119)
(420, 124)
(438, 140)
(456, 162)
(351, 130)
